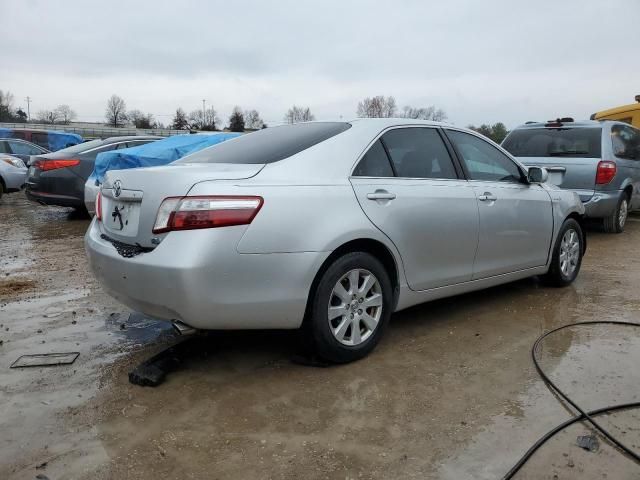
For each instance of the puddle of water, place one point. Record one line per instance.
(595, 365)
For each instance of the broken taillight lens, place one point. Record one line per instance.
(190, 213)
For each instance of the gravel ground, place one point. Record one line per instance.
(450, 392)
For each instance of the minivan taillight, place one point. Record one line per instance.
(606, 171)
(99, 206)
(46, 164)
(190, 213)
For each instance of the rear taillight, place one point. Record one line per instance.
(45, 164)
(606, 171)
(99, 206)
(189, 213)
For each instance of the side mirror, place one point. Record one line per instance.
(537, 175)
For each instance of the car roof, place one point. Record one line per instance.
(392, 121)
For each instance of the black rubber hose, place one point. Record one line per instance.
(588, 416)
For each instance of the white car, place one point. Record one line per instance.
(13, 174)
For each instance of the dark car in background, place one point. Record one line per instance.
(21, 149)
(58, 178)
(599, 160)
(52, 140)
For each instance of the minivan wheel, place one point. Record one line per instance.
(616, 221)
(350, 308)
(567, 255)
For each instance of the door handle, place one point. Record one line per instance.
(556, 169)
(487, 197)
(381, 195)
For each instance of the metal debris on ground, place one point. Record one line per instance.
(588, 442)
(45, 360)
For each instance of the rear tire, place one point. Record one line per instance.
(349, 309)
(615, 222)
(567, 255)
(1, 187)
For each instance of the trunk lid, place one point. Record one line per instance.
(571, 173)
(130, 198)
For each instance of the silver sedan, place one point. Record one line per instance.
(329, 227)
(13, 173)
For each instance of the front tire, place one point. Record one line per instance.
(615, 222)
(350, 308)
(567, 255)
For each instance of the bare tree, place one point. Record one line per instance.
(65, 114)
(377, 107)
(207, 120)
(299, 114)
(140, 119)
(116, 113)
(6, 106)
(47, 116)
(252, 120)
(424, 113)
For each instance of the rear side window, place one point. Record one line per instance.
(20, 148)
(625, 142)
(269, 145)
(418, 153)
(375, 163)
(554, 142)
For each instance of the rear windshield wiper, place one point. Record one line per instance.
(567, 152)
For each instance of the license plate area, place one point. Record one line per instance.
(121, 217)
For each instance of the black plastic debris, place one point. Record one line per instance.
(588, 442)
(310, 361)
(152, 372)
(45, 360)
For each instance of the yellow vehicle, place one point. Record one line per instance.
(627, 113)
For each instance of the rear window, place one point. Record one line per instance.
(554, 142)
(81, 147)
(269, 145)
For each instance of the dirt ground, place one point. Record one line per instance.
(450, 393)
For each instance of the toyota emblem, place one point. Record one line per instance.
(117, 188)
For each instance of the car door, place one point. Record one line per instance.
(516, 219)
(410, 188)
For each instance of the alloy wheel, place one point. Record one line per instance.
(569, 252)
(355, 307)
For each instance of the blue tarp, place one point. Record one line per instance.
(156, 153)
(54, 140)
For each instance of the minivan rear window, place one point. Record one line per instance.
(554, 142)
(268, 145)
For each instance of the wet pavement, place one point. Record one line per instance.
(450, 393)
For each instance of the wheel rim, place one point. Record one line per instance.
(355, 307)
(569, 252)
(622, 215)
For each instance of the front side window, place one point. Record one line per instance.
(626, 142)
(484, 161)
(375, 163)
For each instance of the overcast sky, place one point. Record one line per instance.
(480, 61)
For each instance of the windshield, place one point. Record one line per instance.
(554, 142)
(268, 145)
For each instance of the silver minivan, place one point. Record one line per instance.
(599, 160)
